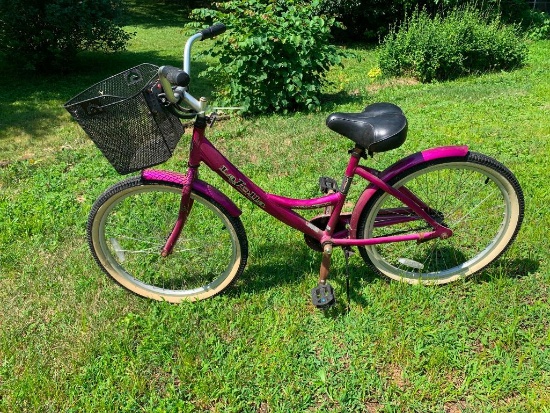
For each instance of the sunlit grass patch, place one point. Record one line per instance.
(71, 340)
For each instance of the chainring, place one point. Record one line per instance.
(321, 222)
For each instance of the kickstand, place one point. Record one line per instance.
(347, 253)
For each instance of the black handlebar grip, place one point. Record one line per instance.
(213, 31)
(176, 76)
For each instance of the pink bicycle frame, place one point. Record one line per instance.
(282, 208)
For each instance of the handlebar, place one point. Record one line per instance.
(169, 75)
(213, 31)
(175, 76)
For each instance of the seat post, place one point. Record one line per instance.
(357, 152)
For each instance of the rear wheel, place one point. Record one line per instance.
(478, 198)
(128, 227)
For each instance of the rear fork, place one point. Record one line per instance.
(322, 295)
(415, 209)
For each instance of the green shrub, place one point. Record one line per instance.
(446, 47)
(274, 56)
(47, 34)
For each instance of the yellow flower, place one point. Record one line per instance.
(374, 73)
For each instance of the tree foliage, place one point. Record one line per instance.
(47, 34)
(372, 19)
(362, 19)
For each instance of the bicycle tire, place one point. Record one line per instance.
(477, 197)
(127, 229)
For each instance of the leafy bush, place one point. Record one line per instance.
(273, 57)
(446, 47)
(48, 33)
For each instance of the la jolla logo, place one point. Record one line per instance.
(241, 187)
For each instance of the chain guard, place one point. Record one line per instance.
(321, 222)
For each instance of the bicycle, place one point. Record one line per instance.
(436, 216)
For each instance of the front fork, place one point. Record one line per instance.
(186, 203)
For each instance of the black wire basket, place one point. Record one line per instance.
(125, 120)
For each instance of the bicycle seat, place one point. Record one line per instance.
(379, 128)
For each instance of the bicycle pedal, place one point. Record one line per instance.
(322, 296)
(327, 185)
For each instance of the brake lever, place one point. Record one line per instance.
(212, 119)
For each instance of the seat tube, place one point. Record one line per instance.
(335, 215)
(346, 183)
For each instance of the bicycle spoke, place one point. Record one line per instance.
(472, 199)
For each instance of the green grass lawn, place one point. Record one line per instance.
(71, 340)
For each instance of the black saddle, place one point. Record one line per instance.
(379, 128)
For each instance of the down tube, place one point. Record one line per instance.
(231, 174)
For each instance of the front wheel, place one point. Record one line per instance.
(130, 223)
(478, 198)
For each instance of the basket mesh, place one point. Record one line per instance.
(125, 121)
